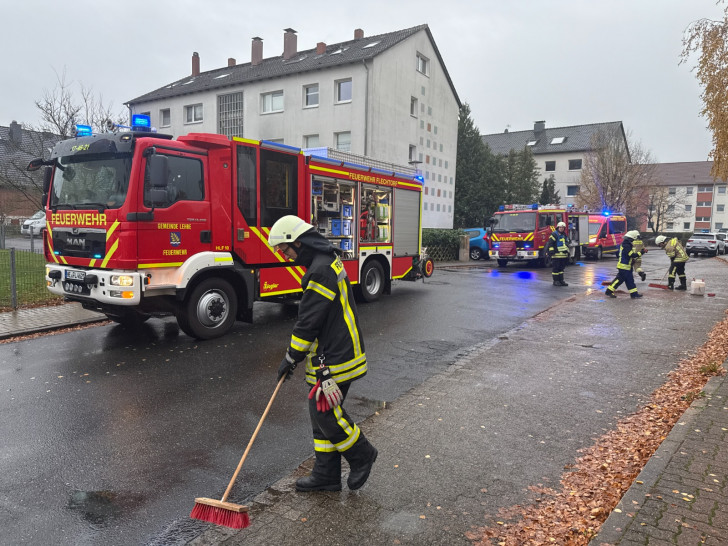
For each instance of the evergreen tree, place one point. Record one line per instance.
(521, 177)
(478, 190)
(549, 195)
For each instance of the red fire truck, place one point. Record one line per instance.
(140, 224)
(521, 232)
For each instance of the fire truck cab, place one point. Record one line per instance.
(606, 232)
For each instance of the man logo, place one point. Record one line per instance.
(77, 242)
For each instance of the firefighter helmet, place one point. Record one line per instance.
(561, 224)
(633, 234)
(660, 239)
(287, 229)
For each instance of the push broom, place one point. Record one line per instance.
(221, 512)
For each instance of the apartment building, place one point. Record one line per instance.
(558, 151)
(690, 199)
(388, 97)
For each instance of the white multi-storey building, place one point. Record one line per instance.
(388, 97)
(558, 151)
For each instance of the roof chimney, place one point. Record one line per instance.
(320, 48)
(290, 45)
(539, 126)
(256, 55)
(358, 34)
(16, 133)
(195, 64)
(231, 61)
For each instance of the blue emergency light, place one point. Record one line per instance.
(534, 206)
(83, 130)
(606, 213)
(141, 122)
(420, 179)
(501, 208)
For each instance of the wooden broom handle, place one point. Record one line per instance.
(255, 433)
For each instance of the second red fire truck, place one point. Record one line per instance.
(140, 224)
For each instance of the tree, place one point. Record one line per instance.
(521, 177)
(663, 207)
(710, 39)
(549, 195)
(616, 175)
(478, 191)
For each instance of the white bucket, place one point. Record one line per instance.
(697, 287)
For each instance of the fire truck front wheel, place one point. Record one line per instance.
(371, 282)
(209, 310)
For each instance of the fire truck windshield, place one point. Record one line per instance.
(515, 222)
(91, 181)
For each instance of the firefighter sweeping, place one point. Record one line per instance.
(678, 258)
(625, 261)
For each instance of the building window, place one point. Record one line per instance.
(343, 91)
(310, 95)
(702, 218)
(531, 142)
(705, 188)
(669, 226)
(670, 208)
(558, 140)
(719, 225)
(721, 190)
(272, 102)
(311, 141)
(705, 203)
(689, 190)
(571, 191)
(413, 107)
(574, 164)
(193, 113)
(230, 114)
(672, 190)
(720, 208)
(343, 141)
(688, 208)
(550, 166)
(165, 118)
(423, 64)
(412, 154)
(686, 225)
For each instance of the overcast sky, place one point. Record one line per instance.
(568, 62)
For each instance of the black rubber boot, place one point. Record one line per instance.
(562, 283)
(314, 483)
(610, 293)
(635, 295)
(361, 458)
(682, 287)
(556, 283)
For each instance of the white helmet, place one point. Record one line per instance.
(634, 234)
(561, 224)
(287, 229)
(660, 239)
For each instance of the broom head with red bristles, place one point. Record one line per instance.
(222, 513)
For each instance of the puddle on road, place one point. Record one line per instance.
(100, 507)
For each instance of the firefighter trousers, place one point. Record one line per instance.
(677, 269)
(623, 276)
(557, 270)
(335, 435)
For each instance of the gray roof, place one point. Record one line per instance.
(577, 138)
(689, 173)
(19, 145)
(353, 51)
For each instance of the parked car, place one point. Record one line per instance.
(37, 222)
(706, 242)
(479, 248)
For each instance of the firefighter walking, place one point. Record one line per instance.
(558, 250)
(678, 258)
(327, 337)
(625, 262)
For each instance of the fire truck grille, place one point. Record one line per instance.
(79, 243)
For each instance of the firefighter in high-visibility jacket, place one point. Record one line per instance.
(327, 337)
(678, 258)
(558, 249)
(625, 261)
(639, 245)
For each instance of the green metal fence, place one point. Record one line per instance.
(22, 280)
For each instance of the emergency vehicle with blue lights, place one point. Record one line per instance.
(141, 224)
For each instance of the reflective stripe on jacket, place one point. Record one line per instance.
(327, 323)
(675, 251)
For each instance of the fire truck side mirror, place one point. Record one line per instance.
(492, 221)
(158, 171)
(47, 175)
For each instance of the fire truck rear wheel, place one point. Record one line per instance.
(209, 310)
(371, 282)
(598, 254)
(502, 263)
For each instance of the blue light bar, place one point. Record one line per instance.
(534, 206)
(501, 208)
(606, 213)
(141, 122)
(83, 130)
(420, 179)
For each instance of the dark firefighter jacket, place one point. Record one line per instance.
(558, 245)
(627, 255)
(327, 323)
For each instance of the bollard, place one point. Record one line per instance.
(464, 252)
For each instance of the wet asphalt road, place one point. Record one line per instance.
(109, 435)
